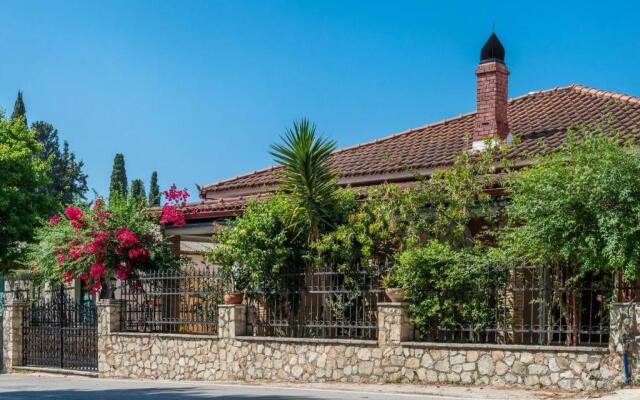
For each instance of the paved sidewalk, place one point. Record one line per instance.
(58, 387)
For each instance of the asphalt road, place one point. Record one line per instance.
(47, 387)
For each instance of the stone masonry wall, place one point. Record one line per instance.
(391, 359)
(191, 357)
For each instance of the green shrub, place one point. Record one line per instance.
(448, 287)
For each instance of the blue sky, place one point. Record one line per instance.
(199, 89)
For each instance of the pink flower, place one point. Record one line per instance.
(61, 258)
(97, 245)
(122, 271)
(75, 253)
(97, 270)
(139, 253)
(54, 220)
(172, 215)
(176, 196)
(67, 277)
(126, 238)
(94, 287)
(73, 213)
(98, 204)
(76, 224)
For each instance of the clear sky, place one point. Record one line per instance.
(199, 89)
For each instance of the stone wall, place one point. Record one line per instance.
(391, 359)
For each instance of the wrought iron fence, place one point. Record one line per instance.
(60, 332)
(529, 306)
(319, 303)
(171, 302)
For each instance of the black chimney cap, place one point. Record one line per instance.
(492, 50)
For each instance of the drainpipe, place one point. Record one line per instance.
(628, 323)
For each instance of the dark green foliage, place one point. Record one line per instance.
(307, 176)
(137, 191)
(154, 190)
(263, 242)
(22, 202)
(19, 110)
(118, 186)
(451, 288)
(578, 210)
(68, 182)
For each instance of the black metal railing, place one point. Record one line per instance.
(171, 302)
(60, 332)
(529, 306)
(319, 303)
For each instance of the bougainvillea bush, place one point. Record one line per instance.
(98, 243)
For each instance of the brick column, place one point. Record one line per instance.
(232, 320)
(12, 333)
(393, 324)
(109, 315)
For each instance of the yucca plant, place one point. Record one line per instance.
(307, 175)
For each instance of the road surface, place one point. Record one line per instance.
(57, 387)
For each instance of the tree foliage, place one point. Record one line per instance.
(307, 175)
(154, 190)
(98, 244)
(261, 245)
(450, 287)
(137, 191)
(578, 209)
(68, 183)
(118, 185)
(22, 200)
(19, 110)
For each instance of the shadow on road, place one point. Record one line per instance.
(166, 393)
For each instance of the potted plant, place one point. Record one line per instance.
(392, 288)
(236, 280)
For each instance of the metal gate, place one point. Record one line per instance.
(60, 332)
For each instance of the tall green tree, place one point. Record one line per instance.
(579, 209)
(137, 191)
(154, 190)
(118, 185)
(19, 110)
(22, 202)
(577, 212)
(68, 181)
(307, 175)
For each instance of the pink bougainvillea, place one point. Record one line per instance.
(97, 244)
(73, 213)
(172, 212)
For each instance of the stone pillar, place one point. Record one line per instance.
(623, 324)
(109, 315)
(12, 333)
(232, 320)
(393, 324)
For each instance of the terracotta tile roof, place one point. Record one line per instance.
(536, 118)
(216, 208)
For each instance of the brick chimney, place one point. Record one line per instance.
(492, 94)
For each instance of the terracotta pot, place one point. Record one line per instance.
(233, 298)
(396, 295)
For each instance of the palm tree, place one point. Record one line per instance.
(307, 175)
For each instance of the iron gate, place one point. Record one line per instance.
(60, 332)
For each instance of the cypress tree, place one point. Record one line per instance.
(154, 190)
(118, 185)
(137, 191)
(19, 110)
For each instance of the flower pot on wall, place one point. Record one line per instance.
(396, 295)
(233, 298)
